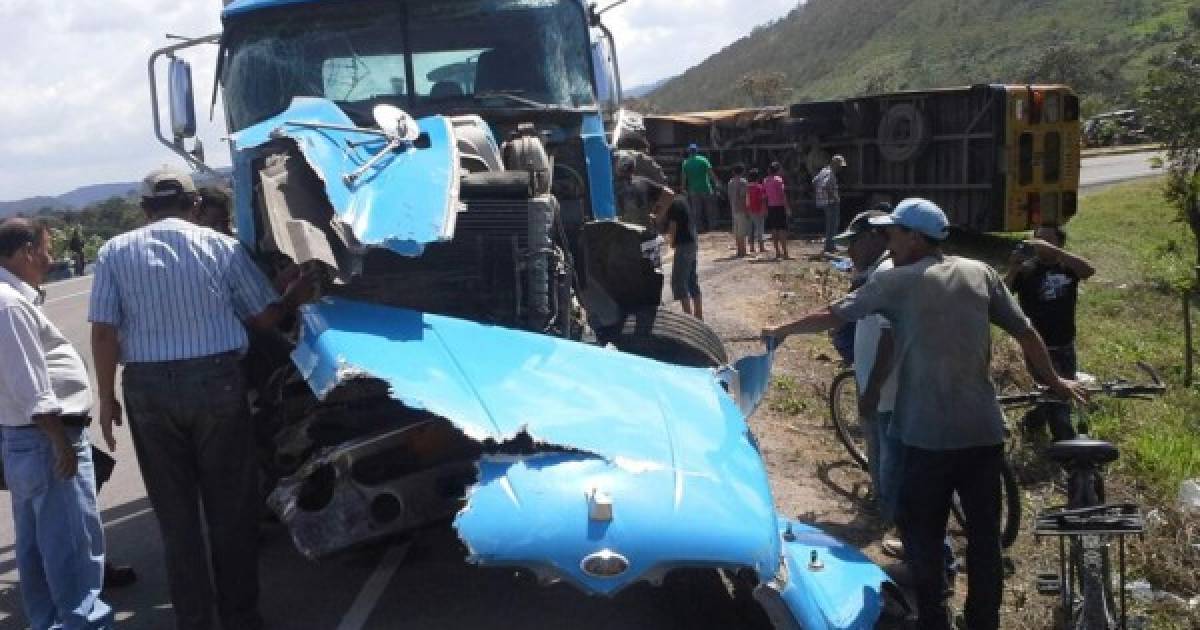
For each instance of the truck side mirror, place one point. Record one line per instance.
(608, 92)
(181, 101)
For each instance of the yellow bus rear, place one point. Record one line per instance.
(1041, 146)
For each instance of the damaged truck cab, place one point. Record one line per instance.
(489, 351)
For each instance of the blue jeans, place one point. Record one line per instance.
(704, 210)
(59, 539)
(833, 215)
(885, 463)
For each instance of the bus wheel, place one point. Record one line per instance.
(903, 133)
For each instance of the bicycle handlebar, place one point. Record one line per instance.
(1115, 389)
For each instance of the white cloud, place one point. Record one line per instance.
(657, 39)
(76, 103)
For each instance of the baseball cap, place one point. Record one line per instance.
(839, 160)
(920, 215)
(167, 182)
(860, 224)
(693, 147)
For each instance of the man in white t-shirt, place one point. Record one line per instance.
(874, 374)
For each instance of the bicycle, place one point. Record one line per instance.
(1087, 521)
(847, 424)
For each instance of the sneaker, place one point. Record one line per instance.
(893, 547)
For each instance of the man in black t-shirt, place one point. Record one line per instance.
(680, 232)
(1045, 278)
(639, 199)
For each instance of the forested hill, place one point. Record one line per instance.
(839, 48)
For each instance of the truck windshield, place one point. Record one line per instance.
(423, 55)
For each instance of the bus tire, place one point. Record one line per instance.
(903, 133)
(670, 337)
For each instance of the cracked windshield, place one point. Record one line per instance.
(419, 56)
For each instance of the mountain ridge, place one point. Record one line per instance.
(827, 49)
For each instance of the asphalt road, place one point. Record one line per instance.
(414, 584)
(417, 584)
(1111, 169)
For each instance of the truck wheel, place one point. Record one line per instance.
(903, 133)
(670, 337)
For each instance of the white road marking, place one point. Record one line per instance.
(67, 281)
(67, 297)
(372, 590)
(8, 555)
(128, 517)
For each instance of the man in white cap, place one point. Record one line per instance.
(941, 309)
(828, 199)
(171, 302)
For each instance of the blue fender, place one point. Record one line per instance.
(823, 583)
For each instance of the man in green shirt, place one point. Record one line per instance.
(699, 183)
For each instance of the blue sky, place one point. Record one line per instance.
(76, 105)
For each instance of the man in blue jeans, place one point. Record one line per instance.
(45, 400)
(946, 412)
(828, 199)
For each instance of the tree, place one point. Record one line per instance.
(1170, 102)
(1171, 106)
(765, 88)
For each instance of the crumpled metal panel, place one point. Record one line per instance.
(534, 512)
(374, 486)
(749, 378)
(493, 382)
(406, 201)
(672, 433)
(825, 584)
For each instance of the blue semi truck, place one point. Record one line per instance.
(488, 353)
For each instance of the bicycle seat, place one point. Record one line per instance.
(1083, 450)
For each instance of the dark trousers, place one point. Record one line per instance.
(195, 446)
(930, 477)
(1056, 415)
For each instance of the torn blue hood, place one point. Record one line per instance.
(666, 443)
(404, 202)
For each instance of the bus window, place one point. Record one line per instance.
(1052, 158)
(1051, 108)
(1025, 156)
(1071, 108)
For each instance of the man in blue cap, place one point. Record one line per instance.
(700, 184)
(941, 309)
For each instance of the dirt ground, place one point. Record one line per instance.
(814, 479)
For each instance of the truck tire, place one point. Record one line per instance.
(903, 133)
(670, 337)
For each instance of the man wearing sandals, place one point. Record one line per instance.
(941, 309)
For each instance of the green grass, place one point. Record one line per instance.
(842, 48)
(1131, 311)
(789, 397)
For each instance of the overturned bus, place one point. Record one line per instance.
(996, 158)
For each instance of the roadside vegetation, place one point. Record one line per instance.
(1130, 311)
(841, 48)
(95, 224)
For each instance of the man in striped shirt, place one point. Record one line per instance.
(171, 302)
(825, 192)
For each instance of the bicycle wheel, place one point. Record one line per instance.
(1095, 608)
(1010, 507)
(843, 408)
